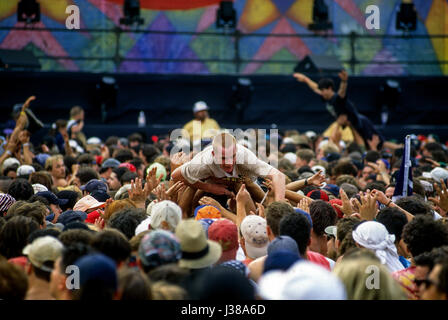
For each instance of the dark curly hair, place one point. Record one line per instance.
(323, 215)
(14, 235)
(20, 189)
(414, 205)
(113, 244)
(126, 221)
(298, 227)
(423, 233)
(394, 220)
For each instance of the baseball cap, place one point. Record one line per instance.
(86, 203)
(318, 195)
(200, 106)
(167, 211)
(338, 211)
(71, 216)
(159, 247)
(291, 157)
(237, 266)
(10, 162)
(160, 170)
(41, 158)
(283, 243)
(97, 268)
(43, 249)
(6, 201)
(206, 212)
(332, 188)
(143, 226)
(94, 140)
(225, 232)
(280, 260)
(302, 281)
(253, 229)
(206, 223)
(100, 195)
(51, 197)
(94, 185)
(331, 230)
(318, 168)
(439, 173)
(306, 214)
(37, 187)
(25, 170)
(110, 163)
(128, 165)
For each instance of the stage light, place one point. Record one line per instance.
(226, 15)
(406, 17)
(321, 20)
(28, 11)
(131, 12)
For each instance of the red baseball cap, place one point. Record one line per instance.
(339, 202)
(225, 232)
(130, 166)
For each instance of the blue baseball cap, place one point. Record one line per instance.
(51, 197)
(99, 269)
(306, 214)
(94, 185)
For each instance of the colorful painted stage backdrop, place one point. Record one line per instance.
(255, 17)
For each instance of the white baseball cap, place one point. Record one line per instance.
(166, 211)
(303, 281)
(200, 106)
(253, 229)
(25, 170)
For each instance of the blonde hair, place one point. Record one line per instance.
(162, 290)
(356, 273)
(49, 162)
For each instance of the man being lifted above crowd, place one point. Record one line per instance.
(219, 168)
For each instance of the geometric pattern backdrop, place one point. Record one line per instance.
(255, 17)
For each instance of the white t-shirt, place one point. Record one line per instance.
(203, 166)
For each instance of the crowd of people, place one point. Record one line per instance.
(315, 218)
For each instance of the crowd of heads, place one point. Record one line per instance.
(83, 219)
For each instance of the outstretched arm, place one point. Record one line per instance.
(303, 78)
(343, 75)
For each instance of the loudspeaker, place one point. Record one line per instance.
(319, 65)
(18, 59)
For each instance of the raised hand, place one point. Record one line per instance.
(178, 159)
(136, 193)
(152, 181)
(442, 200)
(243, 195)
(173, 191)
(24, 136)
(346, 207)
(304, 204)
(343, 75)
(317, 179)
(299, 76)
(209, 201)
(27, 103)
(367, 207)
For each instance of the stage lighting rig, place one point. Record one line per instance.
(321, 20)
(131, 12)
(28, 11)
(226, 15)
(406, 17)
